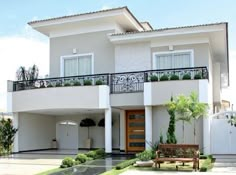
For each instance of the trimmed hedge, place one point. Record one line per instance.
(67, 162)
(174, 77)
(81, 157)
(99, 82)
(186, 77)
(126, 163)
(153, 78)
(197, 76)
(164, 77)
(207, 164)
(91, 154)
(87, 82)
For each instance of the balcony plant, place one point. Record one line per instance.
(67, 84)
(174, 77)
(186, 77)
(99, 82)
(49, 85)
(76, 83)
(87, 82)
(153, 78)
(164, 78)
(58, 84)
(197, 76)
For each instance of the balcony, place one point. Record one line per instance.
(92, 91)
(77, 92)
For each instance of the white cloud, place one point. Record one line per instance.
(20, 51)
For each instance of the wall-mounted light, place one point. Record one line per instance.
(74, 51)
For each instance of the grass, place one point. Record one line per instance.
(50, 171)
(115, 171)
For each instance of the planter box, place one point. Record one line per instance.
(148, 163)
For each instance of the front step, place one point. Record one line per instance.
(226, 158)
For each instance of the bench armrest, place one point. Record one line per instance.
(196, 154)
(158, 152)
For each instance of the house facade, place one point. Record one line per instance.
(108, 65)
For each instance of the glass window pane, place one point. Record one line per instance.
(163, 61)
(84, 65)
(137, 136)
(136, 144)
(136, 116)
(70, 66)
(181, 60)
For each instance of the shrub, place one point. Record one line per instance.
(67, 162)
(186, 77)
(153, 78)
(77, 162)
(174, 77)
(76, 83)
(50, 85)
(126, 163)
(197, 76)
(164, 77)
(100, 153)
(91, 154)
(154, 148)
(87, 82)
(67, 84)
(58, 84)
(145, 155)
(99, 82)
(81, 157)
(207, 164)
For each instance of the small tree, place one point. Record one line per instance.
(171, 138)
(197, 110)
(7, 134)
(31, 74)
(189, 108)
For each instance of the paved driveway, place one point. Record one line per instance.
(30, 163)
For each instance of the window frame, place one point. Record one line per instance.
(63, 58)
(191, 51)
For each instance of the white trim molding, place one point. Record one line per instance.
(75, 55)
(191, 51)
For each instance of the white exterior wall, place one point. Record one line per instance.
(35, 131)
(132, 57)
(160, 123)
(96, 133)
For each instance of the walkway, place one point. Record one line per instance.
(32, 163)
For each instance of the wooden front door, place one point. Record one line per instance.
(135, 131)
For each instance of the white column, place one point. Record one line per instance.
(16, 125)
(108, 131)
(207, 135)
(148, 126)
(122, 130)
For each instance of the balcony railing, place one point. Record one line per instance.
(126, 82)
(86, 80)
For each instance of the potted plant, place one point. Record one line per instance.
(145, 158)
(76, 83)
(186, 77)
(58, 84)
(99, 82)
(49, 85)
(54, 143)
(87, 122)
(67, 84)
(153, 78)
(164, 78)
(87, 82)
(174, 77)
(197, 76)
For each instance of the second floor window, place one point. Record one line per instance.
(171, 60)
(77, 65)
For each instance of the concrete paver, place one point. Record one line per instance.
(29, 164)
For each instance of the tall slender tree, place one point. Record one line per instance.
(171, 107)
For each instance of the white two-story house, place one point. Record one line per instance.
(109, 65)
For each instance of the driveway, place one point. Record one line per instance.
(31, 163)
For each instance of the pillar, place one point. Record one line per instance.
(148, 126)
(16, 139)
(108, 131)
(122, 130)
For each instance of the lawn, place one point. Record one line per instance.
(50, 171)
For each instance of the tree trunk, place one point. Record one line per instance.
(194, 131)
(183, 132)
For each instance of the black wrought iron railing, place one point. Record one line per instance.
(85, 80)
(125, 82)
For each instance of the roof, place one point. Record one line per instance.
(171, 28)
(88, 13)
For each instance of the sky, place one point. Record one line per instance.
(22, 46)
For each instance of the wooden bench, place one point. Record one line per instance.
(178, 153)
